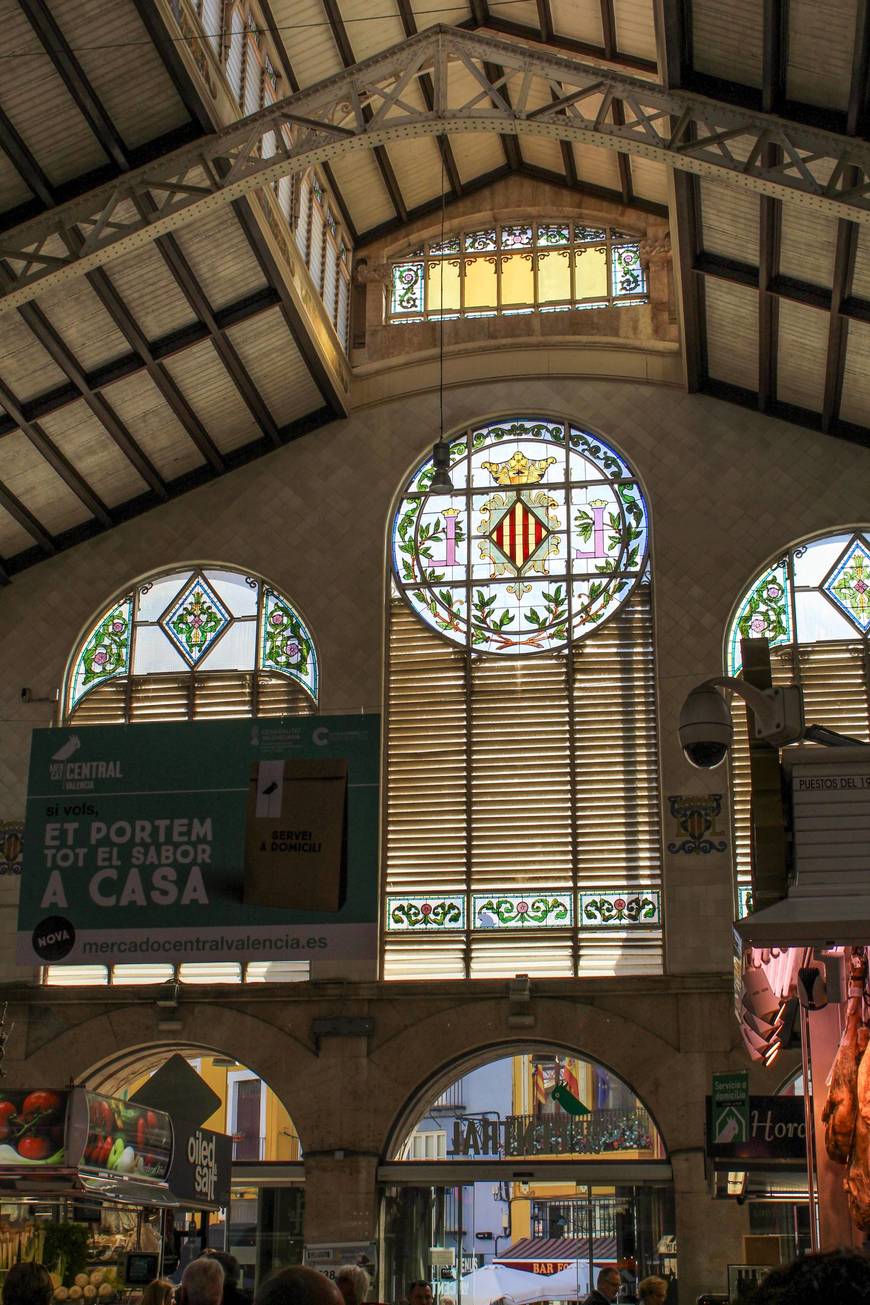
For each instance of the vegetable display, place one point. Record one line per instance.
(65, 1250)
(97, 1286)
(124, 1138)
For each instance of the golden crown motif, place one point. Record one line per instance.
(518, 470)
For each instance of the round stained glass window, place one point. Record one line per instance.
(543, 538)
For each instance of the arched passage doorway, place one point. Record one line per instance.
(263, 1224)
(520, 1174)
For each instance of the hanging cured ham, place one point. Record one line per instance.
(841, 1108)
(858, 1181)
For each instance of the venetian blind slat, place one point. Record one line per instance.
(425, 761)
(835, 688)
(186, 697)
(618, 835)
(522, 775)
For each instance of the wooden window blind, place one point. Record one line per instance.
(253, 76)
(835, 678)
(211, 14)
(315, 248)
(235, 51)
(303, 225)
(522, 775)
(203, 696)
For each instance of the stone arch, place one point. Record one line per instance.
(478, 1031)
(99, 1048)
(448, 1075)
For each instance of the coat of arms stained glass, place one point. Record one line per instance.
(544, 537)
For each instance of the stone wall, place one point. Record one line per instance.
(727, 489)
(353, 1099)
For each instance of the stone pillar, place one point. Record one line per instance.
(709, 1233)
(341, 1198)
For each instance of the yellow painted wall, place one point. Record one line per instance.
(282, 1141)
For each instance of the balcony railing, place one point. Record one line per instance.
(596, 1218)
(451, 1099)
(595, 1134)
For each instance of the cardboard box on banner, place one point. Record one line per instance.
(296, 835)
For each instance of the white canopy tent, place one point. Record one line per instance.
(516, 1287)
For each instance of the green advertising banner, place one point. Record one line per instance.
(202, 841)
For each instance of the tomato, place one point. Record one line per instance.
(6, 1109)
(37, 1102)
(151, 1119)
(34, 1148)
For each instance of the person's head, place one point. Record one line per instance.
(353, 1283)
(27, 1284)
(652, 1291)
(158, 1292)
(202, 1282)
(609, 1282)
(228, 1263)
(817, 1280)
(419, 1293)
(298, 1286)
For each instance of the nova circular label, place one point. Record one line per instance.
(53, 938)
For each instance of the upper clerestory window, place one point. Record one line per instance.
(513, 268)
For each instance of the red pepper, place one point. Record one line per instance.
(140, 1133)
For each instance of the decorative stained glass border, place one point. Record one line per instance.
(425, 913)
(620, 909)
(541, 909)
(513, 910)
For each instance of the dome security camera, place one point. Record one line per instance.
(706, 731)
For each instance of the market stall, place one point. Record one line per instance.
(86, 1182)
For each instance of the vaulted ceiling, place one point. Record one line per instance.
(150, 339)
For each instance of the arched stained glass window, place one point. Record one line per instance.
(193, 641)
(812, 604)
(522, 821)
(544, 537)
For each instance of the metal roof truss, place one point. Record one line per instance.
(367, 105)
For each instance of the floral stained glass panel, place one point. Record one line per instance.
(476, 241)
(765, 613)
(407, 288)
(516, 237)
(629, 277)
(555, 234)
(425, 913)
(531, 910)
(286, 644)
(195, 620)
(106, 651)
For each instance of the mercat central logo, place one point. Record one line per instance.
(80, 774)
